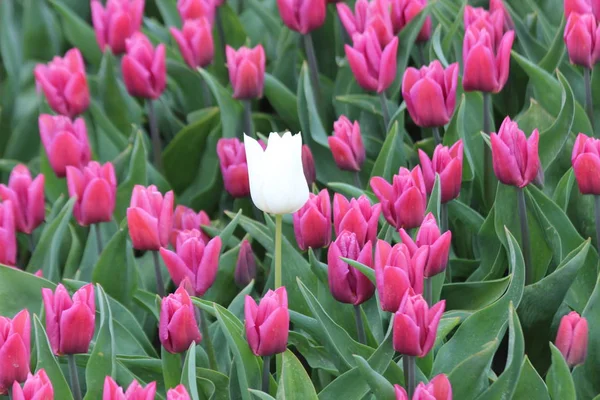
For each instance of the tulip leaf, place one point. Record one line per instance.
(475, 367)
(136, 175)
(114, 276)
(283, 101)
(171, 368)
(47, 362)
(465, 214)
(10, 47)
(364, 269)
(102, 361)
(365, 102)
(391, 157)
(169, 13)
(380, 386)
(474, 295)
(147, 300)
(231, 109)
(188, 375)
(531, 385)
(54, 186)
(261, 395)
(556, 50)
(20, 290)
(559, 379)
(40, 40)
(294, 382)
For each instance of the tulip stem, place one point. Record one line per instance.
(266, 373)
(420, 53)
(75, 388)
(160, 285)
(385, 111)
(445, 227)
(210, 349)
(597, 209)
(278, 222)
(309, 48)
(522, 206)
(248, 118)
(357, 181)
(205, 92)
(429, 291)
(408, 362)
(487, 152)
(436, 135)
(31, 243)
(360, 327)
(155, 135)
(589, 105)
(220, 30)
(98, 238)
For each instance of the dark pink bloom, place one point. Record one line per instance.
(96, 190)
(27, 198)
(246, 71)
(492, 21)
(196, 9)
(312, 223)
(374, 13)
(135, 391)
(302, 16)
(498, 5)
(572, 338)
(582, 38)
(66, 142)
(64, 83)
(586, 164)
(347, 145)
(116, 22)
(150, 217)
(438, 388)
(582, 7)
(268, 323)
(403, 11)
(8, 237)
(448, 163)
(400, 393)
(178, 393)
(184, 218)
(144, 67)
(356, 216)
(178, 328)
(245, 267)
(15, 336)
(195, 42)
(37, 387)
(234, 168)
(308, 165)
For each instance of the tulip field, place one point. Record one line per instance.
(299, 199)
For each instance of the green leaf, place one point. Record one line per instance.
(380, 386)
(188, 375)
(294, 382)
(169, 13)
(391, 157)
(475, 367)
(136, 175)
(231, 109)
(110, 271)
(40, 40)
(283, 101)
(365, 102)
(465, 214)
(559, 379)
(556, 51)
(473, 295)
(20, 290)
(531, 386)
(364, 269)
(171, 368)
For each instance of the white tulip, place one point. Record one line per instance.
(277, 182)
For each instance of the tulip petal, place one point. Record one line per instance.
(143, 229)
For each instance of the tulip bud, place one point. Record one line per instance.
(117, 22)
(415, 325)
(234, 168)
(572, 338)
(178, 328)
(580, 7)
(112, 391)
(144, 67)
(179, 393)
(149, 217)
(347, 284)
(403, 203)
(312, 223)
(498, 6)
(195, 260)
(15, 336)
(373, 65)
(403, 11)
(64, 83)
(397, 271)
(448, 163)
(486, 65)
(196, 9)
(346, 145)
(277, 181)
(96, 190)
(37, 387)
(430, 93)
(438, 388)
(66, 142)
(268, 323)
(356, 216)
(429, 236)
(586, 164)
(373, 14)
(302, 16)
(582, 38)
(195, 42)
(246, 71)
(308, 165)
(27, 198)
(135, 391)
(185, 218)
(515, 158)
(70, 323)
(400, 393)
(8, 237)
(245, 267)
(492, 21)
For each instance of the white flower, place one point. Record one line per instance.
(277, 182)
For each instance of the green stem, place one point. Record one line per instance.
(248, 118)
(597, 209)
(408, 364)
(522, 206)
(205, 92)
(589, 105)
(360, 327)
(487, 152)
(420, 53)
(429, 291)
(357, 181)
(160, 285)
(98, 238)
(385, 111)
(309, 48)
(220, 29)
(266, 373)
(278, 277)
(155, 135)
(436, 135)
(75, 388)
(31, 243)
(444, 228)
(210, 349)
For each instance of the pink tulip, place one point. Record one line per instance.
(582, 7)
(312, 223)
(486, 65)
(184, 218)
(245, 267)
(194, 260)
(374, 13)
(400, 393)
(347, 145)
(572, 338)
(135, 391)
(430, 93)
(64, 83)
(586, 164)
(196, 9)
(492, 21)
(195, 42)
(37, 387)
(178, 328)
(373, 65)
(415, 325)
(398, 271)
(308, 165)
(448, 163)
(179, 393)
(70, 323)
(246, 71)
(515, 158)
(429, 237)
(96, 190)
(268, 323)
(117, 22)
(150, 217)
(66, 142)
(403, 11)
(498, 5)
(234, 168)
(302, 16)
(144, 67)
(356, 216)
(8, 237)
(347, 284)
(438, 388)
(15, 336)
(27, 198)
(582, 38)
(404, 202)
